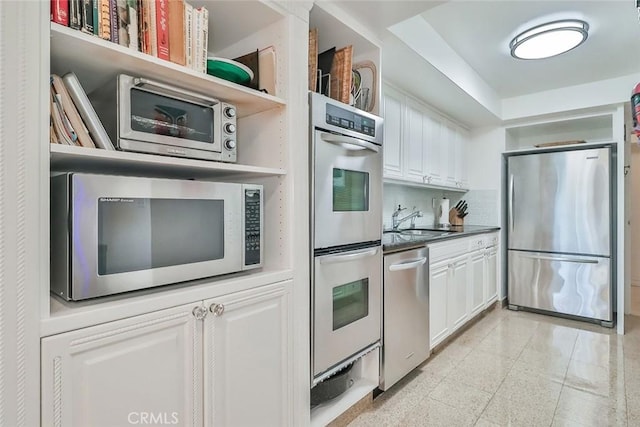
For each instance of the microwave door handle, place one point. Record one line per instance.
(182, 93)
(349, 142)
(349, 257)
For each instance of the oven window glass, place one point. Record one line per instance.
(161, 115)
(350, 190)
(139, 234)
(350, 303)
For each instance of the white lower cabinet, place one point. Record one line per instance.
(248, 362)
(458, 313)
(463, 281)
(477, 282)
(438, 290)
(142, 369)
(161, 368)
(491, 274)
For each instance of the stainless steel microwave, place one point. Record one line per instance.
(112, 234)
(148, 116)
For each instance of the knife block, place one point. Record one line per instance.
(454, 219)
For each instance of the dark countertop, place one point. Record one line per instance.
(394, 242)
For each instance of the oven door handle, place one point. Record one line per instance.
(408, 265)
(173, 91)
(332, 259)
(350, 143)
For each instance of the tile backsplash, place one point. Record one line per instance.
(483, 204)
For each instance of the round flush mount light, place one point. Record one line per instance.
(551, 39)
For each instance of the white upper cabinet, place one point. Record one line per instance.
(421, 146)
(392, 145)
(414, 143)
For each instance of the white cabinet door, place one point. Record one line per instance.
(438, 283)
(491, 269)
(141, 370)
(248, 358)
(413, 144)
(450, 145)
(435, 160)
(392, 145)
(477, 280)
(457, 311)
(462, 174)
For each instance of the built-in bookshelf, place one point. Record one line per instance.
(96, 61)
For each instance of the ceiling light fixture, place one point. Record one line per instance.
(551, 39)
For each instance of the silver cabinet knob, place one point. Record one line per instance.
(217, 309)
(199, 312)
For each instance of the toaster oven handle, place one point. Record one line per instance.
(182, 93)
(348, 257)
(346, 141)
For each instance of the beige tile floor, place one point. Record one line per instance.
(521, 369)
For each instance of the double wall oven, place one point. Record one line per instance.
(346, 226)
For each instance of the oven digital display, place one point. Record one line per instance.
(346, 119)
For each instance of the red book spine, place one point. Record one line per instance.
(162, 28)
(60, 12)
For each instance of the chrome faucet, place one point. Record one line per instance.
(412, 216)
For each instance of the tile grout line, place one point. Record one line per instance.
(564, 379)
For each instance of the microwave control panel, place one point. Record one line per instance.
(252, 227)
(346, 119)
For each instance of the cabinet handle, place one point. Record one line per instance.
(199, 312)
(217, 309)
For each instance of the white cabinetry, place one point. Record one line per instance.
(463, 282)
(422, 147)
(115, 373)
(438, 297)
(477, 282)
(458, 312)
(392, 146)
(165, 364)
(247, 362)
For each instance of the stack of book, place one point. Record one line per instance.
(172, 30)
(73, 121)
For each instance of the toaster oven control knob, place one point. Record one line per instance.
(229, 128)
(230, 112)
(230, 144)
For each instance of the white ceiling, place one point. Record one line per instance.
(479, 31)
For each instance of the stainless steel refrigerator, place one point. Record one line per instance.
(560, 232)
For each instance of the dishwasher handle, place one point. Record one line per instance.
(407, 265)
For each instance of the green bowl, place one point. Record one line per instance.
(229, 70)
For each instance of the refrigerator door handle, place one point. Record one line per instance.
(562, 259)
(511, 189)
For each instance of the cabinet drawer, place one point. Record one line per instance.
(445, 250)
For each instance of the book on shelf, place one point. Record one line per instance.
(87, 112)
(60, 12)
(177, 31)
(189, 26)
(173, 30)
(87, 16)
(113, 22)
(96, 20)
(104, 28)
(75, 14)
(70, 112)
(63, 132)
(162, 28)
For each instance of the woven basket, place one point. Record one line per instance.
(341, 74)
(313, 59)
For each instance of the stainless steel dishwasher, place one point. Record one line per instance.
(406, 314)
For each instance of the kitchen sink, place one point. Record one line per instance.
(425, 233)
